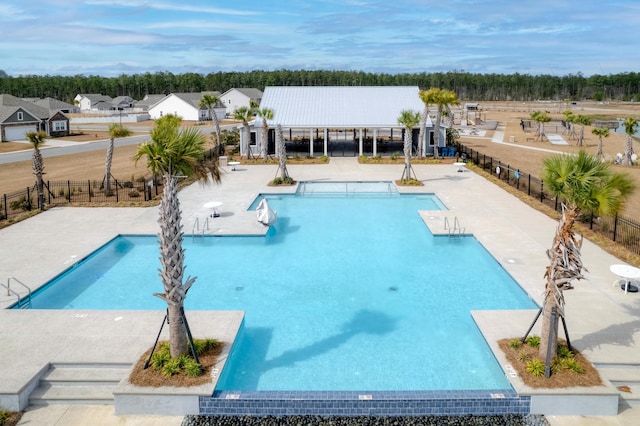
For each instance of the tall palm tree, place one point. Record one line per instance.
(175, 153)
(265, 114)
(587, 185)
(115, 131)
(443, 98)
(208, 101)
(408, 119)
(244, 114)
(427, 97)
(282, 153)
(37, 139)
(583, 121)
(600, 132)
(630, 125)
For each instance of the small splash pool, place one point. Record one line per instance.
(342, 294)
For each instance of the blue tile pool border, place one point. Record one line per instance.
(360, 403)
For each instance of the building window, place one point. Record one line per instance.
(20, 116)
(59, 126)
(432, 141)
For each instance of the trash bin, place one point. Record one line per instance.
(222, 161)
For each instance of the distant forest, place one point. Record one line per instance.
(468, 86)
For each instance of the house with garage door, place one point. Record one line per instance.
(18, 117)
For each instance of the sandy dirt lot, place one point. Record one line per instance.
(519, 154)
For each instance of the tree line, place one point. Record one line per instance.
(468, 86)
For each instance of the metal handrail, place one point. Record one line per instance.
(10, 291)
(196, 228)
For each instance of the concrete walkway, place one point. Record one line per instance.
(602, 320)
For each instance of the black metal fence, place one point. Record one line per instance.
(59, 193)
(622, 230)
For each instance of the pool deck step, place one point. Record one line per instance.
(626, 378)
(79, 384)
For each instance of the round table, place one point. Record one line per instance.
(460, 166)
(626, 272)
(213, 205)
(233, 164)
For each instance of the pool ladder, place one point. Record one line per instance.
(456, 231)
(22, 304)
(197, 234)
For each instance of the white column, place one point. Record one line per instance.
(326, 142)
(375, 142)
(361, 145)
(311, 142)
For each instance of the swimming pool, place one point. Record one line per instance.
(343, 293)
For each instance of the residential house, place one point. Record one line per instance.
(55, 105)
(94, 102)
(18, 117)
(185, 106)
(148, 101)
(235, 98)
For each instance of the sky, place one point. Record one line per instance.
(114, 37)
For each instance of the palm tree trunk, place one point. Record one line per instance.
(107, 168)
(216, 123)
(628, 151)
(599, 153)
(38, 170)
(581, 136)
(407, 155)
(565, 265)
(172, 264)
(423, 129)
(265, 140)
(438, 120)
(282, 153)
(247, 141)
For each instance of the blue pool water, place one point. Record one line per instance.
(343, 293)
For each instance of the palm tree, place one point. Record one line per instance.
(265, 114)
(408, 119)
(630, 125)
(569, 119)
(600, 132)
(582, 120)
(282, 153)
(115, 131)
(175, 153)
(208, 101)
(427, 97)
(244, 114)
(540, 118)
(443, 98)
(587, 185)
(37, 139)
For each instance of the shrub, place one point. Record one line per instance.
(573, 365)
(191, 368)
(127, 184)
(134, 193)
(564, 352)
(533, 341)
(515, 344)
(20, 204)
(324, 159)
(172, 366)
(523, 357)
(535, 367)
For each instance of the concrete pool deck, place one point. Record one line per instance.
(602, 321)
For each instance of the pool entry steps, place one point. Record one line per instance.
(355, 189)
(23, 302)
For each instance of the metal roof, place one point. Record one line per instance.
(339, 106)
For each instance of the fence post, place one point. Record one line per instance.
(4, 206)
(508, 172)
(615, 227)
(591, 222)
(529, 186)
(117, 192)
(28, 198)
(69, 189)
(556, 206)
(89, 188)
(541, 191)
